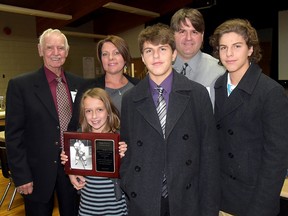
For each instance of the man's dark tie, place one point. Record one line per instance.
(184, 69)
(161, 111)
(64, 109)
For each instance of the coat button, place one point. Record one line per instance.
(188, 162)
(188, 186)
(230, 132)
(230, 155)
(133, 194)
(139, 143)
(218, 126)
(137, 168)
(185, 137)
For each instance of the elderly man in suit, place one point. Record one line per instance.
(33, 130)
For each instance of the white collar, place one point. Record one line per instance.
(229, 82)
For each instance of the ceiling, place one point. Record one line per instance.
(109, 21)
(105, 21)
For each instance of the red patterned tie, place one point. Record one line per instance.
(64, 109)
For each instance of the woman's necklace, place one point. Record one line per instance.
(117, 91)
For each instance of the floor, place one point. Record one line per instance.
(17, 207)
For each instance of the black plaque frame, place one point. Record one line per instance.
(101, 155)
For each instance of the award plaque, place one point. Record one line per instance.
(93, 154)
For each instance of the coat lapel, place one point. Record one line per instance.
(42, 91)
(225, 104)
(72, 86)
(178, 101)
(145, 104)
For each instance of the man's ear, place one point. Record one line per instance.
(67, 52)
(250, 51)
(174, 54)
(40, 51)
(142, 57)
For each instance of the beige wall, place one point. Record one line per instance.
(283, 35)
(19, 54)
(131, 38)
(16, 57)
(17, 50)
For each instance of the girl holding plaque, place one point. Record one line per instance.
(99, 195)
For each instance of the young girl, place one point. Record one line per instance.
(99, 195)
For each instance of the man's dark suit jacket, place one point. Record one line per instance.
(33, 133)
